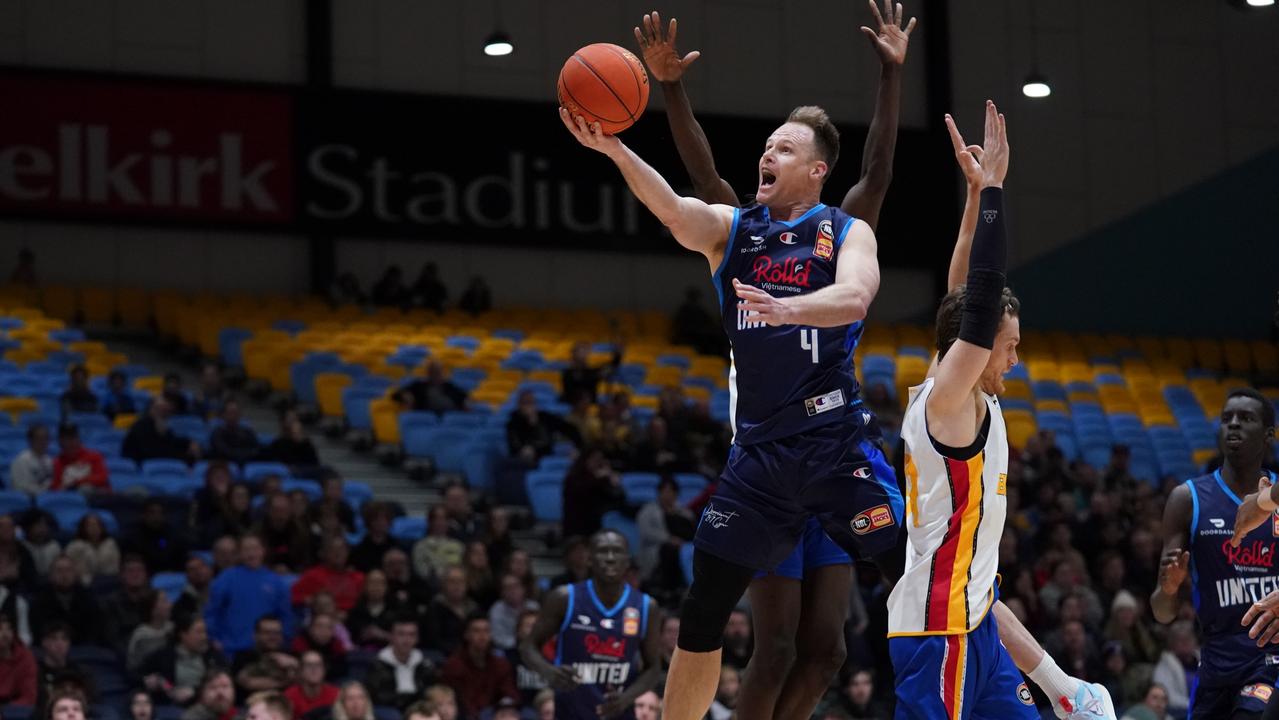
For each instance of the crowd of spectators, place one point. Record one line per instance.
(427, 291)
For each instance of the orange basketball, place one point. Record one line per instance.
(604, 83)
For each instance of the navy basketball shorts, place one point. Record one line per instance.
(835, 473)
(814, 550)
(1241, 697)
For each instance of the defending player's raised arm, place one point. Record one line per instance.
(651, 656)
(1174, 563)
(958, 271)
(549, 621)
(889, 40)
(696, 225)
(960, 371)
(667, 68)
(843, 302)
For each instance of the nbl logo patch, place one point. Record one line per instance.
(1023, 694)
(1259, 692)
(871, 520)
(824, 248)
(630, 622)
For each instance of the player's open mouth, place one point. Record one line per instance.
(766, 179)
(1234, 440)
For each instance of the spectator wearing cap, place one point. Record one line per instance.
(401, 672)
(173, 672)
(94, 552)
(244, 593)
(311, 692)
(151, 437)
(118, 400)
(32, 470)
(78, 398)
(231, 440)
(19, 675)
(78, 467)
(481, 677)
(64, 600)
(37, 530)
(154, 539)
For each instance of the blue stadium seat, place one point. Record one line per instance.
(678, 361)
(131, 482)
(109, 521)
(690, 486)
(466, 342)
(178, 486)
(55, 501)
(288, 325)
(640, 487)
(408, 530)
(230, 342)
(68, 518)
(12, 501)
(546, 495)
(355, 400)
(686, 562)
(169, 583)
(89, 423)
(416, 432)
(465, 419)
(255, 472)
(357, 493)
(164, 466)
(310, 487)
(190, 427)
(552, 463)
(448, 447)
(624, 525)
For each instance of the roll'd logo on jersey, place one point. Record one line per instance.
(788, 272)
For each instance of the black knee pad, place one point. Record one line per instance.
(717, 586)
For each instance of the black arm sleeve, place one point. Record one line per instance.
(987, 264)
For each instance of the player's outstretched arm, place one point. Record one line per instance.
(959, 372)
(667, 68)
(889, 41)
(958, 270)
(549, 621)
(1030, 657)
(1174, 565)
(695, 224)
(843, 302)
(1263, 616)
(651, 655)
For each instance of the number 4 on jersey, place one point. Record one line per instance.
(808, 341)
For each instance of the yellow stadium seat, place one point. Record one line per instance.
(97, 305)
(15, 406)
(124, 421)
(59, 302)
(1201, 457)
(134, 307)
(1265, 356)
(328, 393)
(1208, 353)
(386, 420)
(1237, 357)
(153, 384)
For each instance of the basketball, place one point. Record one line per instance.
(604, 83)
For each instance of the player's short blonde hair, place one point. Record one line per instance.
(825, 134)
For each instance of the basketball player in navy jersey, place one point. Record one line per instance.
(601, 627)
(1226, 546)
(799, 608)
(795, 279)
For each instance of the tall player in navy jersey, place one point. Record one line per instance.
(799, 608)
(1226, 546)
(603, 630)
(795, 279)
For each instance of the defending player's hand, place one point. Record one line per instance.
(890, 40)
(1250, 515)
(770, 310)
(658, 49)
(590, 135)
(613, 706)
(985, 165)
(1173, 568)
(563, 678)
(1262, 616)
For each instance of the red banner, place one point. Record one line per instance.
(154, 150)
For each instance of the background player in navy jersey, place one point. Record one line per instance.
(795, 279)
(798, 610)
(1226, 547)
(602, 626)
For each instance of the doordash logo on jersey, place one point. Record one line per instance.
(788, 272)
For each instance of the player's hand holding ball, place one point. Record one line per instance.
(660, 55)
(590, 135)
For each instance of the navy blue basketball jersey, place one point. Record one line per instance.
(602, 645)
(1226, 581)
(788, 379)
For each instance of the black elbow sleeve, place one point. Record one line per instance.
(987, 267)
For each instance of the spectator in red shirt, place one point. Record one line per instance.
(78, 467)
(480, 676)
(318, 636)
(332, 576)
(18, 671)
(311, 691)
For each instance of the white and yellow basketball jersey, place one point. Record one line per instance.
(955, 510)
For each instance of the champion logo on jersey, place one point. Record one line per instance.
(606, 623)
(862, 473)
(788, 238)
